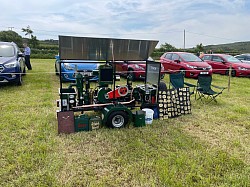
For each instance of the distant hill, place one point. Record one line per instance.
(232, 48)
(49, 48)
(237, 47)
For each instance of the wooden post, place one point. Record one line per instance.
(229, 78)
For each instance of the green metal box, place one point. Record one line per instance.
(68, 98)
(139, 118)
(95, 123)
(82, 123)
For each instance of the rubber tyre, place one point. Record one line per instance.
(233, 72)
(118, 119)
(56, 71)
(24, 71)
(19, 82)
(131, 72)
(184, 72)
(162, 76)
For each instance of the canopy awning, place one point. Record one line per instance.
(104, 49)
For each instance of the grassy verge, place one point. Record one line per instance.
(209, 147)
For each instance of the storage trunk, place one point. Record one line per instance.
(139, 118)
(82, 123)
(95, 123)
(65, 122)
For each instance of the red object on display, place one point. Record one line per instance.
(118, 92)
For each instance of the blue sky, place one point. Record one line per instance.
(206, 22)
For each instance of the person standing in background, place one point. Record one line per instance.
(27, 56)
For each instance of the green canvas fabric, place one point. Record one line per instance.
(204, 89)
(177, 81)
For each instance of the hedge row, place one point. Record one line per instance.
(43, 53)
(49, 53)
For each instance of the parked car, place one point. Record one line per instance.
(186, 62)
(244, 58)
(136, 69)
(12, 63)
(70, 67)
(222, 62)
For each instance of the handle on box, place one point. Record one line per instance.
(65, 117)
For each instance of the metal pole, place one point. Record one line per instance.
(10, 28)
(114, 68)
(229, 78)
(184, 39)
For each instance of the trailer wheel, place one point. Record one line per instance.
(117, 119)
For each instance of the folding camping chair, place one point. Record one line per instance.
(177, 81)
(204, 90)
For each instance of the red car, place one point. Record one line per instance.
(135, 69)
(222, 62)
(186, 62)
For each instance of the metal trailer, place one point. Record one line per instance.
(114, 103)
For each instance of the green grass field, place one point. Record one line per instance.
(210, 147)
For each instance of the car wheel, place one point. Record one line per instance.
(132, 74)
(184, 72)
(57, 73)
(233, 72)
(117, 119)
(162, 76)
(24, 71)
(19, 80)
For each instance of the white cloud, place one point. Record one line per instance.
(207, 22)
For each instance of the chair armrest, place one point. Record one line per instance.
(199, 88)
(219, 87)
(190, 85)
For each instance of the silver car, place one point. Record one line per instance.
(244, 58)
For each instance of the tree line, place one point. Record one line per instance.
(39, 49)
(50, 48)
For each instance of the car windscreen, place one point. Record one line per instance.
(188, 57)
(231, 59)
(6, 50)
